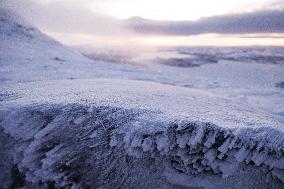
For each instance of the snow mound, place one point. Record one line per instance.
(114, 133)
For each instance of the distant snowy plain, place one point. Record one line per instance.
(187, 118)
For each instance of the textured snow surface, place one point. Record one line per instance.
(69, 122)
(106, 123)
(173, 101)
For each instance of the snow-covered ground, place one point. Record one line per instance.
(72, 122)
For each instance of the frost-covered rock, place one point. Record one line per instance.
(102, 135)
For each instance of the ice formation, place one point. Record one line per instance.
(50, 148)
(82, 139)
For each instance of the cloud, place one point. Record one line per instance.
(263, 21)
(74, 22)
(65, 17)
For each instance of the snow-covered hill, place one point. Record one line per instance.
(28, 51)
(26, 54)
(62, 125)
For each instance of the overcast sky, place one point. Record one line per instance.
(261, 21)
(105, 21)
(157, 9)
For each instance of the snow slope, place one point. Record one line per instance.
(26, 55)
(62, 125)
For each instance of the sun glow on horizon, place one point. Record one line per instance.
(97, 22)
(216, 40)
(163, 41)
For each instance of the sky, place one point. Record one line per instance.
(177, 9)
(156, 22)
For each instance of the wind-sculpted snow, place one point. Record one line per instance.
(113, 134)
(82, 147)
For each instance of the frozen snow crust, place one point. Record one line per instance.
(64, 135)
